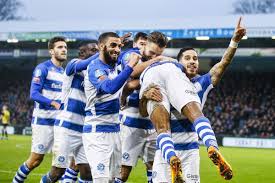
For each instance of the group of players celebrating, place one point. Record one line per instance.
(109, 108)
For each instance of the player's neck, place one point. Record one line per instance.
(56, 63)
(102, 58)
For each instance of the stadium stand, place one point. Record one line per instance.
(243, 104)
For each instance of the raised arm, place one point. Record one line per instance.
(218, 69)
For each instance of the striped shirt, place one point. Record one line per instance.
(46, 86)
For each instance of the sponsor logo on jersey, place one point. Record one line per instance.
(56, 86)
(190, 92)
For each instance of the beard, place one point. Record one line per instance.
(192, 73)
(61, 58)
(108, 58)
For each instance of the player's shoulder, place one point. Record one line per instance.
(74, 60)
(201, 78)
(202, 82)
(96, 64)
(128, 52)
(44, 65)
(42, 68)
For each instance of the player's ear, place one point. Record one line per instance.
(51, 52)
(101, 46)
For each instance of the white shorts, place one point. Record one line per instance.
(103, 152)
(137, 143)
(190, 162)
(175, 87)
(42, 139)
(67, 143)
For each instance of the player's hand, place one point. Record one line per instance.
(123, 102)
(239, 32)
(165, 58)
(134, 59)
(153, 93)
(56, 105)
(125, 38)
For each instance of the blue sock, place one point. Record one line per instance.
(166, 145)
(149, 176)
(70, 176)
(46, 178)
(118, 180)
(21, 174)
(205, 132)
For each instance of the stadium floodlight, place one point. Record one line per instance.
(245, 37)
(169, 38)
(273, 37)
(44, 40)
(70, 40)
(202, 38)
(37, 40)
(12, 40)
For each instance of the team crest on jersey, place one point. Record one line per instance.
(126, 156)
(61, 159)
(100, 167)
(40, 147)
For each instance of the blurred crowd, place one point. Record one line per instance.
(243, 104)
(15, 94)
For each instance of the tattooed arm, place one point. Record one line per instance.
(217, 70)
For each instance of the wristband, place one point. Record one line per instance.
(233, 44)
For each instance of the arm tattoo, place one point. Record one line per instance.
(217, 70)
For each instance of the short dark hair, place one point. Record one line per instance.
(140, 35)
(83, 48)
(158, 38)
(103, 37)
(184, 50)
(54, 40)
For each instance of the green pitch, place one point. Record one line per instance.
(249, 165)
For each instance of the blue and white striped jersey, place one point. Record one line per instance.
(46, 86)
(101, 108)
(73, 98)
(183, 131)
(130, 116)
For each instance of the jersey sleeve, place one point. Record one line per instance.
(39, 76)
(205, 81)
(125, 60)
(106, 85)
(71, 67)
(38, 79)
(94, 73)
